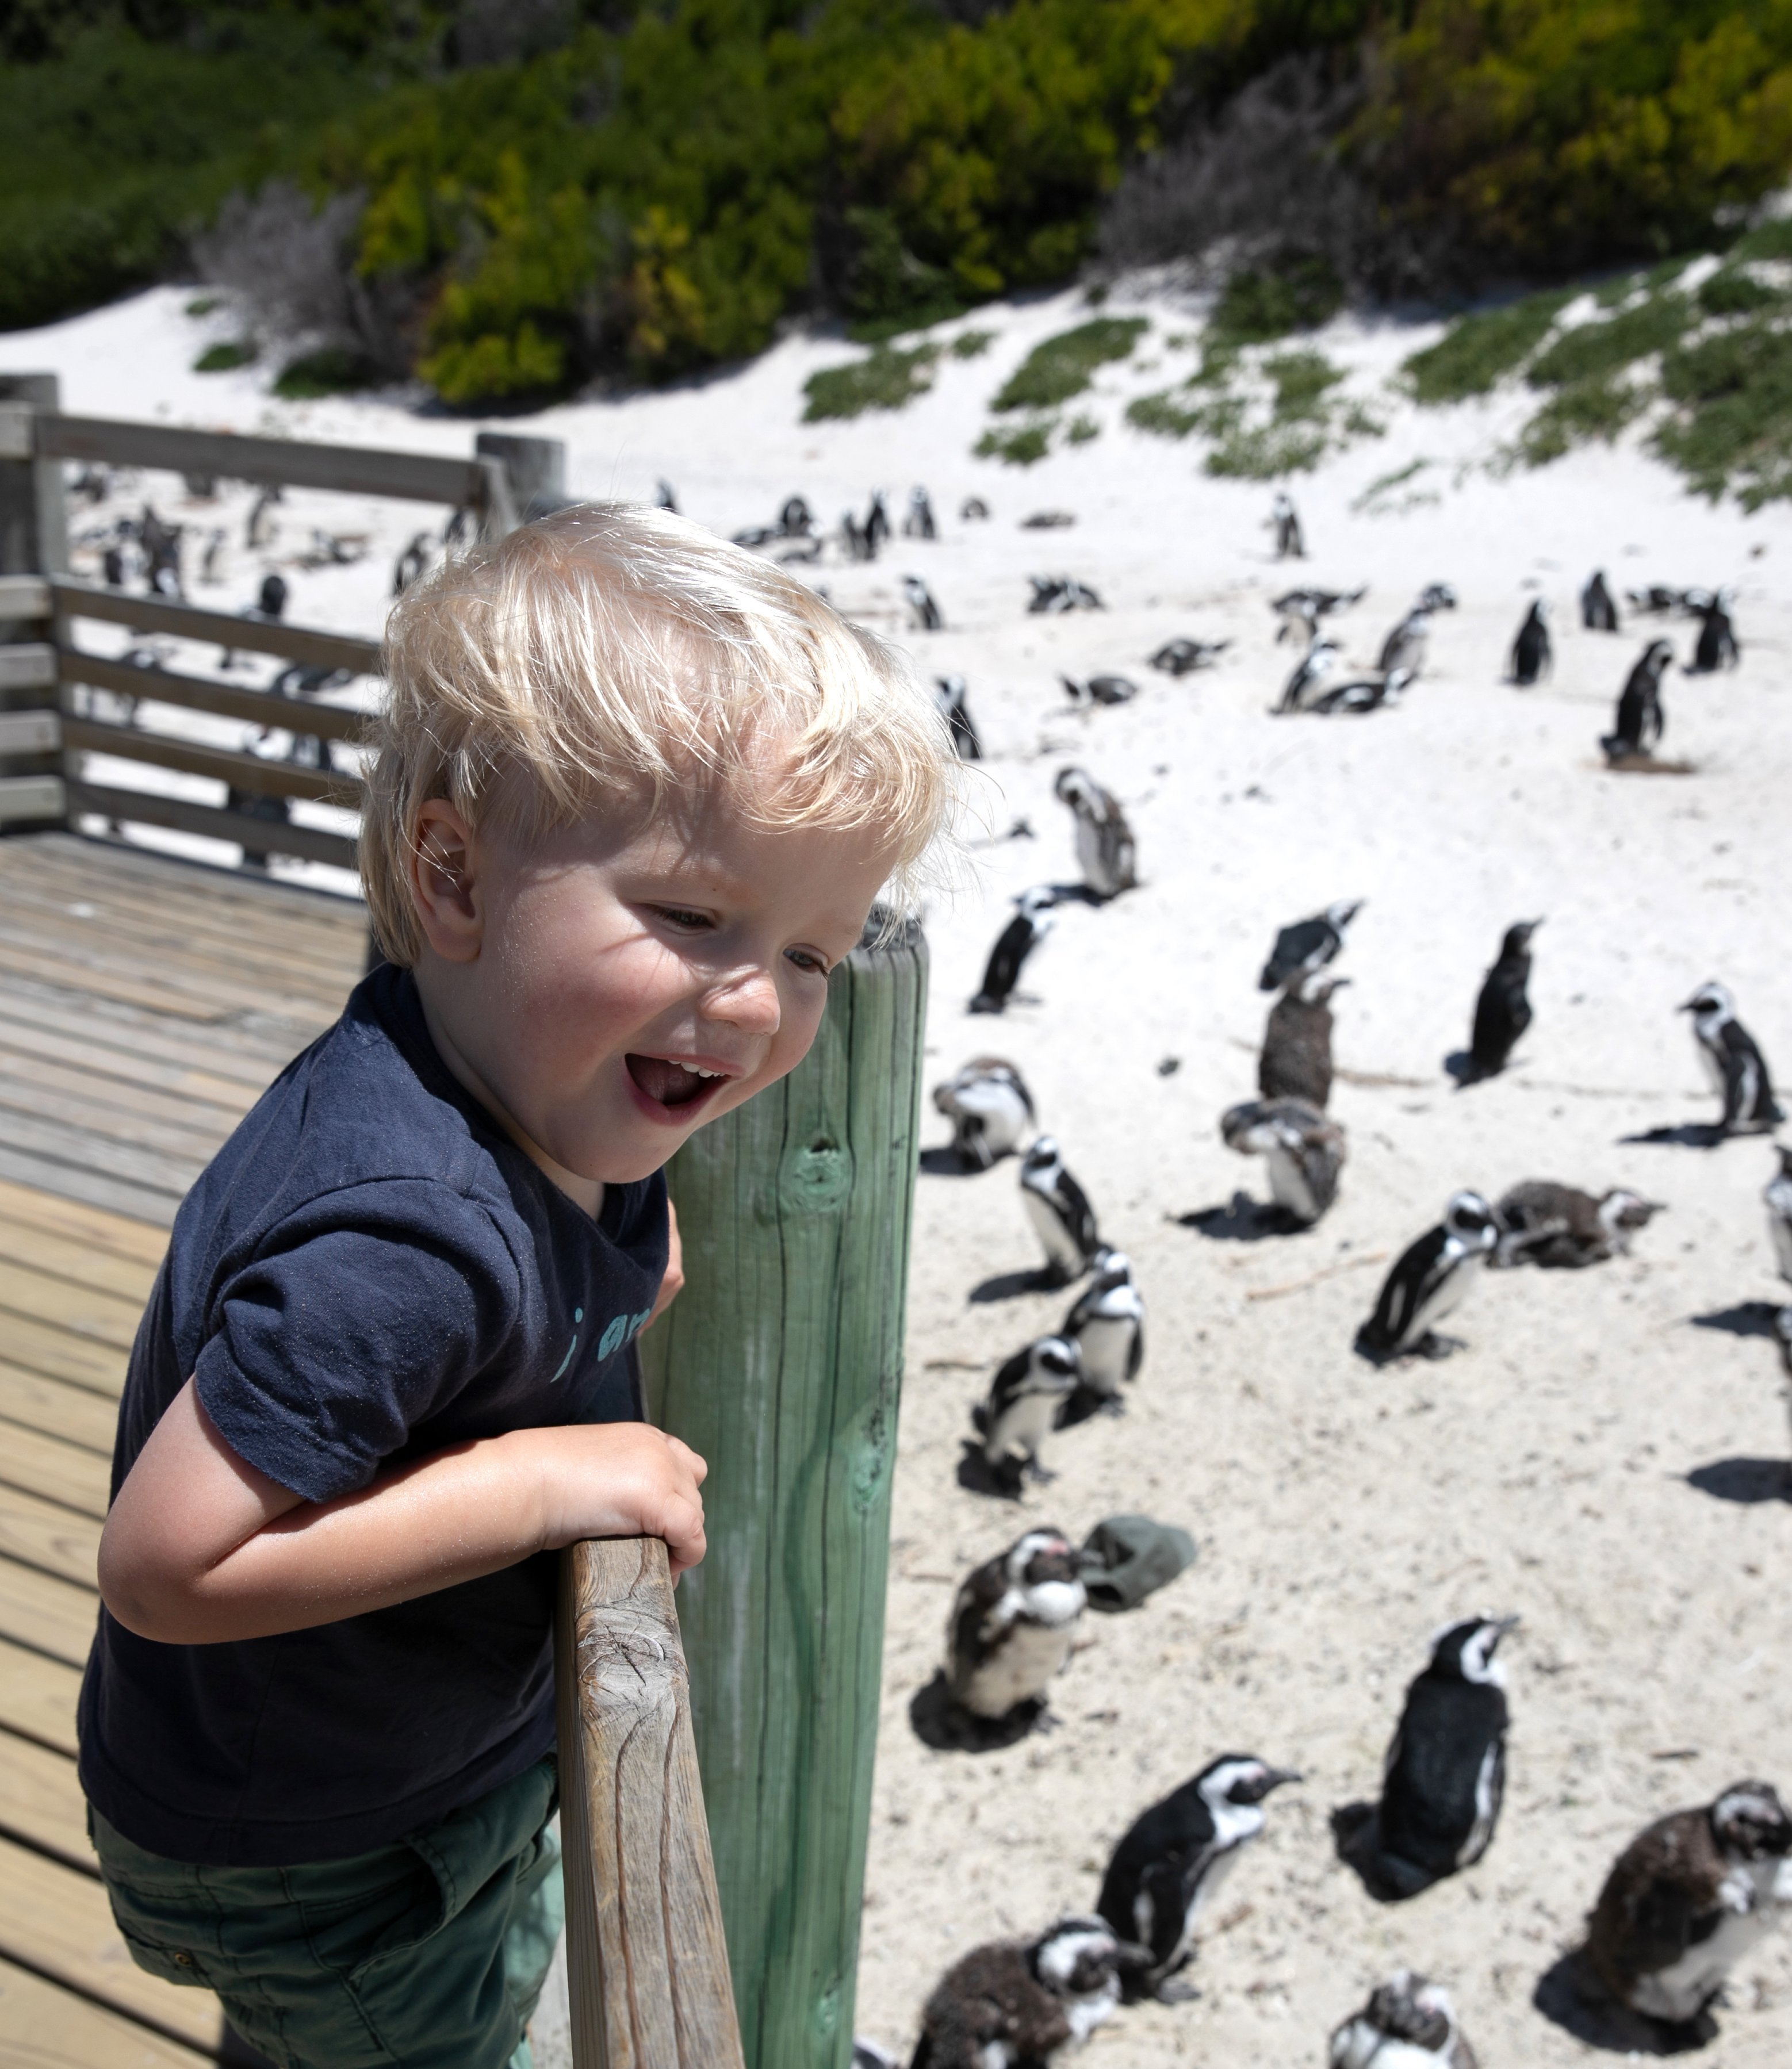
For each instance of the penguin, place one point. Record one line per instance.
(1779, 1197)
(973, 510)
(1599, 613)
(1408, 2023)
(1013, 1624)
(1362, 694)
(1301, 610)
(1059, 1211)
(1405, 646)
(990, 1108)
(1653, 600)
(665, 497)
(1562, 1228)
(1311, 679)
(1053, 594)
(1305, 1151)
(1430, 1280)
(1010, 2004)
(271, 598)
(852, 540)
(1014, 944)
(1688, 1897)
(1107, 1324)
(212, 558)
(1174, 1859)
(1284, 522)
(1296, 1062)
(410, 563)
(112, 564)
(1531, 654)
(1022, 1411)
(260, 529)
(1105, 851)
(1437, 596)
(1640, 722)
(1503, 1010)
(796, 519)
(876, 527)
(1308, 945)
(1716, 646)
(1446, 1768)
(1099, 690)
(918, 523)
(948, 694)
(927, 617)
(1733, 1062)
(1182, 657)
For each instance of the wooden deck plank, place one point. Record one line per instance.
(38, 1075)
(127, 1069)
(106, 1318)
(60, 1354)
(61, 1142)
(44, 2026)
(41, 1804)
(58, 1921)
(124, 988)
(153, 1205)
(77, 1414)
(116, 1121)
(46, 1535)
(34, 1462)
(60, 1256)
(46, 1615)
(51, 1018)
(117, 1232)
(38, 1698)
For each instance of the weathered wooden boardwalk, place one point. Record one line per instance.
(144, 1004)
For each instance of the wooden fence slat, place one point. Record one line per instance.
(38, 1697)
(647, 1963)
(165, 686)
(145, 808)
(273, 463)
(24, 598)
(242, 772)
(223, 628)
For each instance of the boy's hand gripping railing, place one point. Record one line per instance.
(646, 1961)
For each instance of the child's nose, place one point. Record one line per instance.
(746, 999)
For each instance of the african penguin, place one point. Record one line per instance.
(1531, 655)
(927, 615)
(1099, 690)
(918, 523)
(1284, 523)
(948, 694)
(1429, 1280)
(1733, 1062)
(1301, 610)
(1446, 1768)
(1106, 1323)
(1311, 677)
(973, 510)
(1562, 1228)
(877, 526)
(1104, 846)
(1408, 2023)
(1362, 694)
(1779, 1197)
(1687, 1898)
(1178, 657)
(665, 497)
(1307, 944)
(990, 1108)
(1640, 722)
(1599, 613)
(1405, 646)
(1053, 594)
(1013, 1624)
(1716, 646)
(1024, 1400)
(1174, 1859)
(1014, 944)
(1503, 1010)
(1059, 1211)
(1013, 2005)
(1305, 1152)
(1296, 1062)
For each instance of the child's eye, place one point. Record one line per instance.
(806, 959)
(680, 917)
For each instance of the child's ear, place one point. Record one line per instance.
(440, 866)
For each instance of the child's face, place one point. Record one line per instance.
(585, 984)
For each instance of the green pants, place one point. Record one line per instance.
(429, 1954)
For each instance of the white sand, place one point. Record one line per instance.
(1342, 1512)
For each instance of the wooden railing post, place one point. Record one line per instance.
(33, 543)
(647, 1962)
(781, 1363)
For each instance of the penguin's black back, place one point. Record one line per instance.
(1160, 1852)
(1413, 1272)
(1012, 946)
(1502, 1013)
(1428, 1806)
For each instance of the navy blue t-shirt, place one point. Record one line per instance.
(369, 1270)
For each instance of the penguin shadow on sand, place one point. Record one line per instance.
(942, 1723)
(1243, 1219)
(1682, 1135)
(1569, 1995)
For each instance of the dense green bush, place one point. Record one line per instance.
(882, 380)
(1060, 367)
(1474, 355)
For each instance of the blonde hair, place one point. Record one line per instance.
(613, 654)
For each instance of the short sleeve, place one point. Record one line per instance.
(331, 1343)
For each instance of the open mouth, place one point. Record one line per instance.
(673, 1085)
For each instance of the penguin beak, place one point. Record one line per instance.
(1506, 1624)
(1278, 1775)
(1687, 1006)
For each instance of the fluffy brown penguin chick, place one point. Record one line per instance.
(1013, 2004)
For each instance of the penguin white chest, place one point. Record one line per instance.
(1780, 1221)
(1019, 1669)
(1361, 2045)
(1089, 857)
(1024, 1425)
(1288, 1185)
(1060, 1246)
(1106, 1343)
(1452, 1290)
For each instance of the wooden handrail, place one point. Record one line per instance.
(164, 686)
(186, 621)
(647, 1961)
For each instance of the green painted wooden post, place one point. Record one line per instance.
(781, 1362)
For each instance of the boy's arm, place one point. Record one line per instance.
(201, 1548)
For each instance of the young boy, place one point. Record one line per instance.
(634, 796)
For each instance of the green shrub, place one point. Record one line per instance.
(1731, 425)
(226, 358)
(1591, 350)
(202, 305)
(1257, 307)
(1478, 351)
(1266, 452)
(1302, 381)
(1598, 407)
(1162, 413)
(972, 344)
(1730, 292)
(1772, 239)
(1062, 366)
(1081, 430)
(1016, 445)
(882, 380)
(333, 370)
